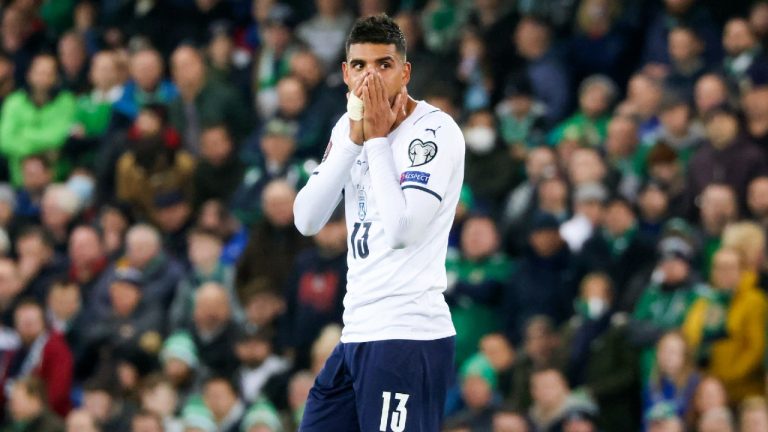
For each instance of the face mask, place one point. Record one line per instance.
(83, 187)
(593, 308)
(480, 139)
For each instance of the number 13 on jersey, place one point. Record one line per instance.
(398, 416)
(360, 245)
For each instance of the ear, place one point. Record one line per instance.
(406, 73)
(345, 73)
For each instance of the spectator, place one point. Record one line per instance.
(214, 330)
(64, 314)
(653, 209)
(709, 395)
(87, 259)
(551, 400)
(159, 398)
(260, 368)
(203, 101)
(131, 328)
(20, 39)
(36, 119)
(617, 248)
(274, 243)
(101, 403)
(146, 84)
(662, 418)
(644, 92)
(94, 110)
(606, 370)
(428, 67)
(581, 418)
(264, 307)
(540, 284)
(204, 253)
(180, 361)
(600, 43)
(29, 410)
(222, 400)
(622, 155)
(43, 354)
(585, 165)
(508, 420)
(521, 118)
(711, 91)
(549, 79)
(588, 208)
(539, 350)
(717, 208)
(725, 327)
(224, 65)
(686, 59)
(262, 417)
(273, 60)
(742, 48)
(38, 262)
(113, 221)
(725, 157)
(678, 130)
(197, 417)
(316, 288)
(676, 12)
(173, 214)
(748, 240)
(757, 200)
(7, 84)
(717, 420)
(478, 385)
(58, 212)
(153, 164)
(278, 161)
(37, 174)
(159, 274)
(73, 59)
(80, 420)
(219, 170)
(596, 95)
(311, 123)
(146, 421)
(10, 287)
(753, 415)
(485, 154)
(479, 274)
(474, 71)
(325, 33)
(298, 391)
(754, 89)
(673, 378)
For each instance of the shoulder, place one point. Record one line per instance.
(435, 126)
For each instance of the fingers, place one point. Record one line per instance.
(382, 89)
(358, 89)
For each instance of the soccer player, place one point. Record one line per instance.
(399, 167)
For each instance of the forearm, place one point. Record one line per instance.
(318, 198)
(404, 219)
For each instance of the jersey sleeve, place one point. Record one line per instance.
(316, 201)
(435, 151)
(409, 199)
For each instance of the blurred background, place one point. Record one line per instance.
(606, 269)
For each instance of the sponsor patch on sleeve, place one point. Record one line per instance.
(414, 177)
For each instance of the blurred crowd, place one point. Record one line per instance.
(606, 269)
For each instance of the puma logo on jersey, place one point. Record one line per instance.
(434, 131)
(421, 152)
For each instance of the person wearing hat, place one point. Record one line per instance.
(662, 417)
(276, 161)
(538, 285)
(477, 273)
(596, 95)
(582, 417)
(179, 361)
(726, 327)
(173, 217)
(196, 417)
(261, 417)
(666, 299)
(132, 328)
(667, 168)
(599, 358)
(478, 383)
(727, 157)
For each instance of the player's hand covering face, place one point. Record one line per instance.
(364, 62)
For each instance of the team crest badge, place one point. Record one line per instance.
(362, 204)
(421, 152)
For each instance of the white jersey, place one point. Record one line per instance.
(397, 293)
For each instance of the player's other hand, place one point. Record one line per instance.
(356, 127)
(379, 115)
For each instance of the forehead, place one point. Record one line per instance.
(371, 51)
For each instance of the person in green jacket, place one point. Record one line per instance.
(477, 274)
(36, 119)
(596, 94)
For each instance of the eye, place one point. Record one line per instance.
(357, 66)
(385, 66)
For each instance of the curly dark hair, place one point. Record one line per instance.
(377, 29)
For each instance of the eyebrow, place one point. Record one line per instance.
(378, 60)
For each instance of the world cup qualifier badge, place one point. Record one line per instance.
(421, 152)
(362, 205)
